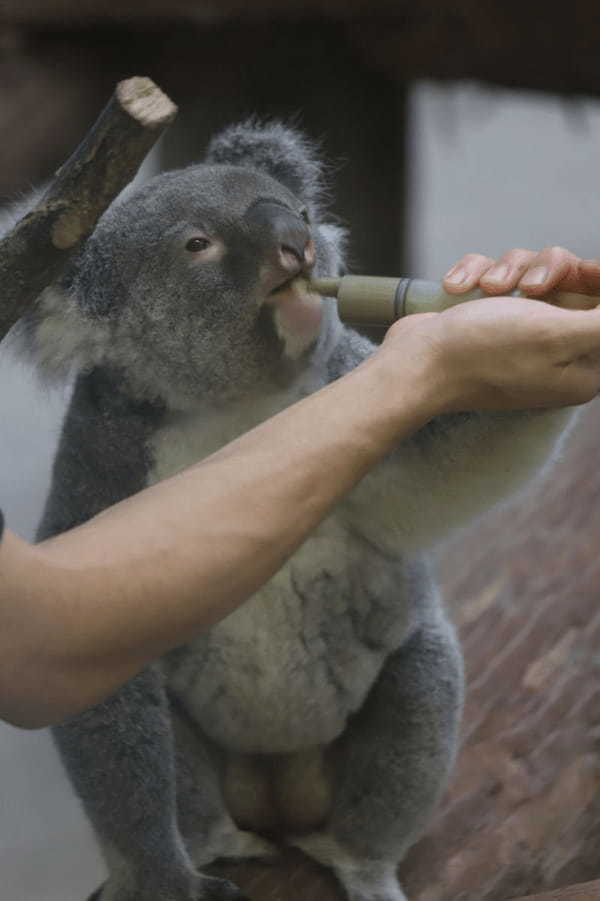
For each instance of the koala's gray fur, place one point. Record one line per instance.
(337, 689)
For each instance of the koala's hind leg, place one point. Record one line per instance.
(205, 776)
(120, 758)
(391, 765)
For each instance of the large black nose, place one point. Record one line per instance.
(285, 233)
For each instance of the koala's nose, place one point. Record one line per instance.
(288, 235)
(296, 250)
(295, 247)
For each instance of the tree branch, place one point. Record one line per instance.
(35, 251)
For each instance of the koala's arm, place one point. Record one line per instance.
(458, 466)
(453, 469)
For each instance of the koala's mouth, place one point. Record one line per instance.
(297, 314)
(292, 282)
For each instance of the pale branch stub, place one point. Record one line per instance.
(34, 252)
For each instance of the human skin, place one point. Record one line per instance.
(86, 610)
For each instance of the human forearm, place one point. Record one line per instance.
(147, 574)
(223, 526)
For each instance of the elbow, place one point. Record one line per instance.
(27, 720)
(28, 705)
(41, 711)
(52, 696)
(37, 710)
(29, 709)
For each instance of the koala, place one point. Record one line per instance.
(324, 712)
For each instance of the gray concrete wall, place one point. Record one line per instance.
(490, 170)
(493, 170)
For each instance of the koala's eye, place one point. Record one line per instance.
(304, 214)
(195, 245)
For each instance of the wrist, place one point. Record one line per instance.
(419, 373)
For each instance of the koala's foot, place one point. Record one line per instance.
(231, 844)
(362, 879)
(206, 888)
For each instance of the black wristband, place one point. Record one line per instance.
(1, 524)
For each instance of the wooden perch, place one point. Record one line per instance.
(35, 251)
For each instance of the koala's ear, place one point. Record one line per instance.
(93, 279)
(282, 152)
(57, 337)
(69, 327)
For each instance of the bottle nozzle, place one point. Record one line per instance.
(326, 287)
(364, 299)
(372, 300)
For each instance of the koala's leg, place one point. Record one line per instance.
(391, 766)
(205, 820)
(120, 758)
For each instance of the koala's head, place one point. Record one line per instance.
(184, 284)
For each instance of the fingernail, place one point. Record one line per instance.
(456, 276)
(537, 276)
(497, 273)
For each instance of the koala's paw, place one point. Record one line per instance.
(363, 880)
(207, 888)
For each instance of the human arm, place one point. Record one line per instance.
(102, 600)
(83, 612)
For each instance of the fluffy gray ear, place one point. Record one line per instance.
(277, 149)
(58, 337)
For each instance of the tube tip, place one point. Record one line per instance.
(326, 287)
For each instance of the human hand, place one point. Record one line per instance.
(533, 274)
(501, 353)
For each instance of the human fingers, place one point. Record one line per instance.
(582, 278)
(551, 268)
(537, 273)
(587, 277)
(466, 273)
(503, 277)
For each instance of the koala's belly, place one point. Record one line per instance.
(285, 670)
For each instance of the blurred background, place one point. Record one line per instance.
(449, 128)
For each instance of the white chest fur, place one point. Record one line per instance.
(187, 438)
(286, 669)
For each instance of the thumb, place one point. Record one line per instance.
(582, 331)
